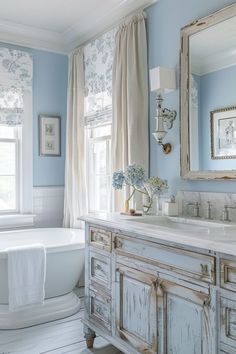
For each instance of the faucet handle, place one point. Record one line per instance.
(208, 211)
(193, 204)
(196, 208)
(225, 213)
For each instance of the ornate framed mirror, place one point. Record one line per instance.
(208, 97)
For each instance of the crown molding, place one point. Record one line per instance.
(32, 37)
(75, 35)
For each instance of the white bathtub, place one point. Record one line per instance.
(64, 264)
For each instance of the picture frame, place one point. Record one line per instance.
(223, 133)
(49, 135)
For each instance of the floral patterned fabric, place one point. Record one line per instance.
(16, 68)
(16, 72)
(98, 59)
(11, 105)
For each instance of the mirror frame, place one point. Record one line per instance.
(195, 27)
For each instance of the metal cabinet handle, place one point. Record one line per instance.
(100, 311)
(98, 237)
(207, 301)
(204, 269)
(157, 284)
(117, 243)
(99, 268)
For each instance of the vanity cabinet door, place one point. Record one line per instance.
(228, 321)
(136, 309)
(188, 321)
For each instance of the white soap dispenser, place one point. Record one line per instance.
(170, 207)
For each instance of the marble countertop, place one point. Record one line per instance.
(217, 238)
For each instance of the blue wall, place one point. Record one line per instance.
(165, 19)
(49, 97)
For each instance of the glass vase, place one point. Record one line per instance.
(147, 205)
(158, 204)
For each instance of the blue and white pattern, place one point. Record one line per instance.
(98, 60)
(16, 68)
(16, 73)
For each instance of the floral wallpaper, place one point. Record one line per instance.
(16, 68)
(16, 73)
(98, 59)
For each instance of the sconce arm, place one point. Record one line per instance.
(168, 117)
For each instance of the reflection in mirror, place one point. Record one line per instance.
(208, 97)
(212, 97)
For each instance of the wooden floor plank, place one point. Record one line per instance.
(8, 334)
(100, 347)
(63, 336)
(57, 337)
(44, 337)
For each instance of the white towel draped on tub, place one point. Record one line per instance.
(26, 276)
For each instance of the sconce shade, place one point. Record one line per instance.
(162, 80)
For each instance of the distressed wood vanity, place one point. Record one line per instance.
(155, 291)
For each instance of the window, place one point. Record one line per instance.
(98, 58)
(16, 170)
(9, 172)
(99, 168)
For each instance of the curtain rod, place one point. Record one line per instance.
(116, 24)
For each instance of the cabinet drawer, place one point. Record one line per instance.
(100, 238)
(187, 263)
(100, 308)
(228, 274)
(228, 322)
(100, 269)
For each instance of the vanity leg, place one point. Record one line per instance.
(89, 335)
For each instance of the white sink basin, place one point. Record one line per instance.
(190, 226)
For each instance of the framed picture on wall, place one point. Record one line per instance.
(223, 133)
(49, 135)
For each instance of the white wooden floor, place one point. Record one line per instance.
(57, 337)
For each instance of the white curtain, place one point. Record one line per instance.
(75, 204)
(130, 98)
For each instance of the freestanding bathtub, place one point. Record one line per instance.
(64, 265)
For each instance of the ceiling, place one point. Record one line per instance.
(60, 25)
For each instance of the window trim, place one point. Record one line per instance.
(23, 216)
(14, 141)
(89, 141)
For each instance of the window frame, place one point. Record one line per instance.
(90, 141)
(23, 215)
(16, 142)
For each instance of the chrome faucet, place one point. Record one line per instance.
(196, 209)
(225, 213)
(208, 210)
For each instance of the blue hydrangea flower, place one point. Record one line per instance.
(135, 176)
(118, 179)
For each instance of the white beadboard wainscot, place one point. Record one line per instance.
(48, 204)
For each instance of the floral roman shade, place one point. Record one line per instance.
(98, 59)
(16, 72)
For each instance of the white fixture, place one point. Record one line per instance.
(64, 261)
(162, 81)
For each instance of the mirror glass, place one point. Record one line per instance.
(208, 96)
(212, 97)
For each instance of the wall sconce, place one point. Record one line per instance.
(162, 80)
